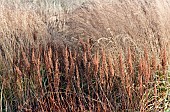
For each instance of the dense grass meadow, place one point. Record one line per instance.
(84, 56)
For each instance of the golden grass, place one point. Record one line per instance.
(99, 56)
(63, 80)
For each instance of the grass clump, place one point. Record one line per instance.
(65, 79)
(97, 56)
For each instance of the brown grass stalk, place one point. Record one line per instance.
(89, 55)
(164, 60)
(18, 81)
(145, 71)
(153, 66)
(149, 74)
(140, 85)
(140, 77)
(18, 71)
(130, 76)
(101, 74)
(56, 73)
(111, 70)
(47, 65)
(130, 64)
(84, 46)
(66, 61)
(78, 78)
(103, 68)
(121, 69)
(35, 66)
(96, 63)
(146, 56)
(38, 68)
(154, 62)
(110, 66)
(33, 58)
(71, 71)
(26, 62)
(50, 56)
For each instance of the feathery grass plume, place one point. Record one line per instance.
(84, 52)
(66, 64)
(26, 62)
(71, 71)
(140, 85)
(36, 69)
(110, 65)
(130, 76)
(123, 80)
(78, 78)
(66, 61)
(146, 65)
(164, 60)
(148, 73)
(56, 75)
(38, 66)
(146, 55)
(153, 66)
(33, 69)
(18, 81)
(96, 63)
(116, 65)
(50, 56)
(103, 68)
(57, 78)
(145, 71)
(89, 55)
(46, 60)
(111, 70)
(19, 75)
(33, 58)
(129, 86)
(121, 69)
(140, 78)
(154, 62)
(48, 65)
(102, 72)
(130, 64)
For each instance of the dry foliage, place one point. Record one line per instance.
(62, 79)
(107, 55)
